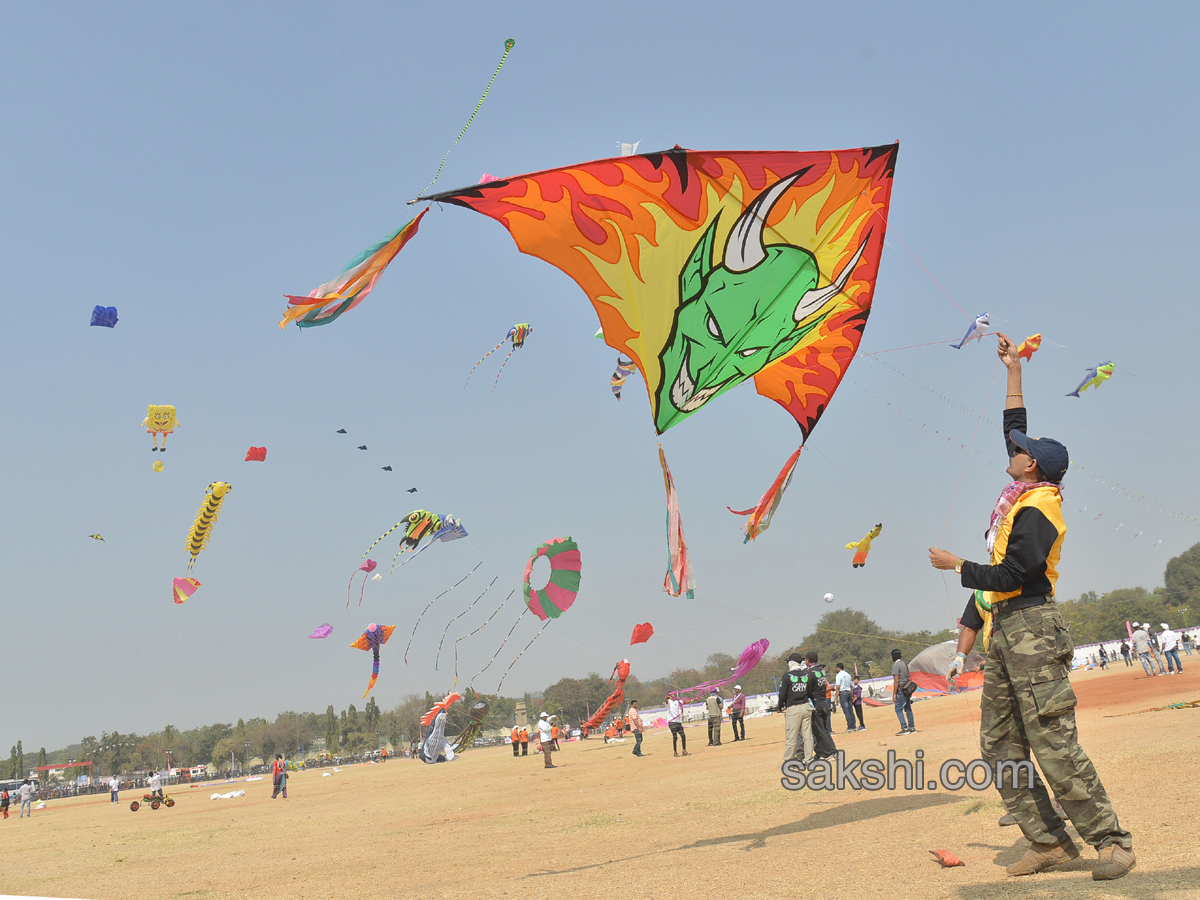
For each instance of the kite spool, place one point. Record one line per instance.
(559, 593)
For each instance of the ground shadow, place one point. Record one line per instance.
(843, 814)
(1166, 884)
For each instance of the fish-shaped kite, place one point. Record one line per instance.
(863, 547)
(322, 631)
(1029, 346)
(1095, 377)
(976, 332)
(371, 639)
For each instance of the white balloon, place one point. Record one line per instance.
(829, 598)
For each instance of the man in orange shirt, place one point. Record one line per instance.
(516, 740)
(524, 735)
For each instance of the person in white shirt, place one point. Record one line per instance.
(26, 795)
(1168, 643)
(845, 689)
(154, 782)
(114, 785)
(1141, 646)
(675, 723)
(546, 736)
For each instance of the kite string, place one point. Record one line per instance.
(522, 653)
(888, 225)
(502, 365)
(430, 603)
(508, 45)
(437, 658)
(471, 684)
(480, 628)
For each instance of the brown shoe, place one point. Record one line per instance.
(685, 753)
(1115, 861)
(1041, 857)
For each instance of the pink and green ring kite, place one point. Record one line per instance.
(559, 593)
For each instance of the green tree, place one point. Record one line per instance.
(41, 757)
(372, 714)
(20, 761)
(1182, 577)
(13, 771)
(331, 730)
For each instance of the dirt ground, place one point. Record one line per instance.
(606, 824)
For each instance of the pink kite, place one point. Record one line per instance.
(322, 631)
(368, 567)
(485, 178)
(749, 659)
(642, 633)
(182, 588)
(256, 454)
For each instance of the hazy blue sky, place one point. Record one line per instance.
(191, 164)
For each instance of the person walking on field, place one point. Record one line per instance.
(1169, 642)
(114, 785)
(4, 803)
(25, 793)
(902, 691)
(737, 713)
(1141, 646)
(279, 776)
(1103, 657)
(1028, 704)
(714, 707)
(635, 722)
(515, 737)
(1125, 653)
(845, 689)
(797, 711)
(547, 739)
(675, 723)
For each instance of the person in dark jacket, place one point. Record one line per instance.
(1028, 704)
(819, 694)
(797, 711)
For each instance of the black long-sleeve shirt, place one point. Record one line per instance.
(1029, 544)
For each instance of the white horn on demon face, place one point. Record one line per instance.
(745, 249)
(816, 298)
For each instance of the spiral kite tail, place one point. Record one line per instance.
(385, 534)
(481, 359)
(503, 364)
(522, 653)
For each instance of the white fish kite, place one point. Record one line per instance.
(976, 332)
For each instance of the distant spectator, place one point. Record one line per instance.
(546, 740)
(845, 689)
(1103, 657)
(1125, 653)
(714, 707)
(114, 785)
(1168, 642)
(1141, 646)
(516, 741)
(901, 693)
(25, 792)
(4, 802)
(279, 777)
(737, 713)
(524, 741)
(635, 722)
(856, 693)
(675, 723)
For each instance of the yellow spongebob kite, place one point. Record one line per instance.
(160, 420)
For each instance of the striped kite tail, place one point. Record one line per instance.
(476, 366)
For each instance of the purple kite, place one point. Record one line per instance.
(322, 631)
(749, 659)
(368, 567)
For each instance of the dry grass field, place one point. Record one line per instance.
(606, 824)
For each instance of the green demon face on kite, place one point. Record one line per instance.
(736, 318)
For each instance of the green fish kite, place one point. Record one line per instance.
(1094, 378)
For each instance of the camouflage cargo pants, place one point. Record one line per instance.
(1028, 711)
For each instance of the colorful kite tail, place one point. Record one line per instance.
(351, 584)
(761, 514)
(430, 603)
(482, 358)
(502, 643)
(438, 658)
(503, 364)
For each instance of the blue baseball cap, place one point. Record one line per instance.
(1050, 455)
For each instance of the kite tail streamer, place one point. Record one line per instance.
(749, 659)
(505, 363)
(433, 601)
(456, 618)
(679, 580)
(481, 359)
(502, 643)
(508, 45)
(385, 534)
(522, 653)
(760, 515)
(374, 671)
(480, 628)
